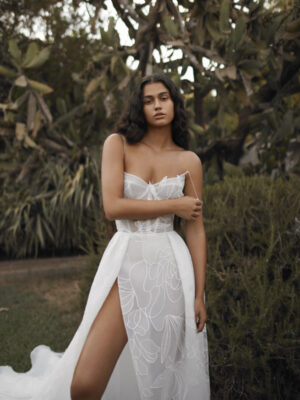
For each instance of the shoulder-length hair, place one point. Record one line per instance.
(132, 123)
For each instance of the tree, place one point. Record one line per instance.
(61, 95)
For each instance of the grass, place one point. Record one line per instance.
(34, 312)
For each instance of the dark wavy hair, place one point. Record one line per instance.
(132, 123)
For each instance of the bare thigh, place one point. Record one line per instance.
(103, 346)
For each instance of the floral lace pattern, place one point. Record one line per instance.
(169, 357)
(137, 188)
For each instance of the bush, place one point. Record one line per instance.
(253, 232)
(54, 212)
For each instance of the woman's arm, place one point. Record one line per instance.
(117, 207)
(196, 238)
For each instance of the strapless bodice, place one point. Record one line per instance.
(136, 188)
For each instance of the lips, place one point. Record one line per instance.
(159, 115)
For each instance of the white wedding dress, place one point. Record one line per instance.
(165, 358)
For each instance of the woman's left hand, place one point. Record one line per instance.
(200, 313)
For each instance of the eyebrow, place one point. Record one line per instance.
(150, 95)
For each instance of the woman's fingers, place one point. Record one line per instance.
(191, 208)
(196, 211)
(200, 325)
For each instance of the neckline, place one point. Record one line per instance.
(156, 183)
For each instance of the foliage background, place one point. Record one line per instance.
(60, 97)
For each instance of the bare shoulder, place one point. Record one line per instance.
(191, 161)
(113, 144)
(114, 139)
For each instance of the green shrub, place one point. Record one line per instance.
(253, 235)
(51, 213)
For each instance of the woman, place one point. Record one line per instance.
(143, 332)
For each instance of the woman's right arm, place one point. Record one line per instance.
(117, 207)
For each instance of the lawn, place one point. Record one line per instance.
(37, 311)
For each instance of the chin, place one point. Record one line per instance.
(161, 122)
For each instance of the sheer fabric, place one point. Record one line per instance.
(165, 358)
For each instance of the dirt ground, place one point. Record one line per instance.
(55, 279)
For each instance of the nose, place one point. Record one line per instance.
(157, 103)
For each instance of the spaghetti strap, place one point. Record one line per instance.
(123, 142)
(194, 187)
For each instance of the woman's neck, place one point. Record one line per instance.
(158, 138)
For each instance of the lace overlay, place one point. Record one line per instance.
(137, 188)
(162, 338)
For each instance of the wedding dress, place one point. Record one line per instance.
(165, 358)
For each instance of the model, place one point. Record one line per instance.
(143, 333)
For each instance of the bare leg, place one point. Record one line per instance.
(103, 346)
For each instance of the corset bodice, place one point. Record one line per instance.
(136, 188)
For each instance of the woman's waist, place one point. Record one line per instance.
(157, 225)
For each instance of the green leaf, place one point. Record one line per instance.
(171, 26)
(40, 87)
(39, 59)
(200, 31)
(224, 16)
(197, 128)
(32, 51)
(21, 130)
(29, 142)
(124, 82)
(185, 66)
(69, 115)
(39, 230)
(101, 57)
(8, 73)
(44, 108)
(113, 63)
(211, 26)
(124, 66)
(92, 86)
(47, 229)
(176, 78)
(31, 111)
(252, 67)
(19, 101)
(105, 37)
(112, 34)
(239, 33)
(14, 51)
(61, 106)
(36, 123)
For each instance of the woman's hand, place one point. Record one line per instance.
(188, 207)
(200, 314)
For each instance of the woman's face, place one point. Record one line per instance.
(158, 105)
